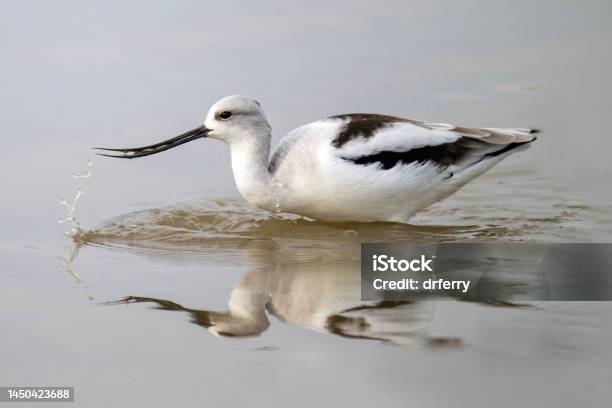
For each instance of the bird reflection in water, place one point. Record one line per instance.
(314, 295)
(302, 273)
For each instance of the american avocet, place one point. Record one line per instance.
(352, 167)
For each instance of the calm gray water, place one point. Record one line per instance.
(234, 306)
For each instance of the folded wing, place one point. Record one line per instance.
(388, 141)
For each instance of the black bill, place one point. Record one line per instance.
(134, 152)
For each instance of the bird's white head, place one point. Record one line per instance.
(238, 121)
(237, 118)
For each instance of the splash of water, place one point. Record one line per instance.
(86, 174)
(69, 261)
(276, 192)
(75, 227)
(70, 204)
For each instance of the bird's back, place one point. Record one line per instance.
(371, 167)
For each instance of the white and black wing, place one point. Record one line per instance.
(388, 141)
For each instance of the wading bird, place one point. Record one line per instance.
(352, 167)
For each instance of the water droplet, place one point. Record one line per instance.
(87, 174)
(350, 233)
(276, 192)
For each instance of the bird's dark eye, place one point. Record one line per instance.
(225, 115)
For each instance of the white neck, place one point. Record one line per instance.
(250, 166)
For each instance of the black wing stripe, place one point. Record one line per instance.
(443, 155)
